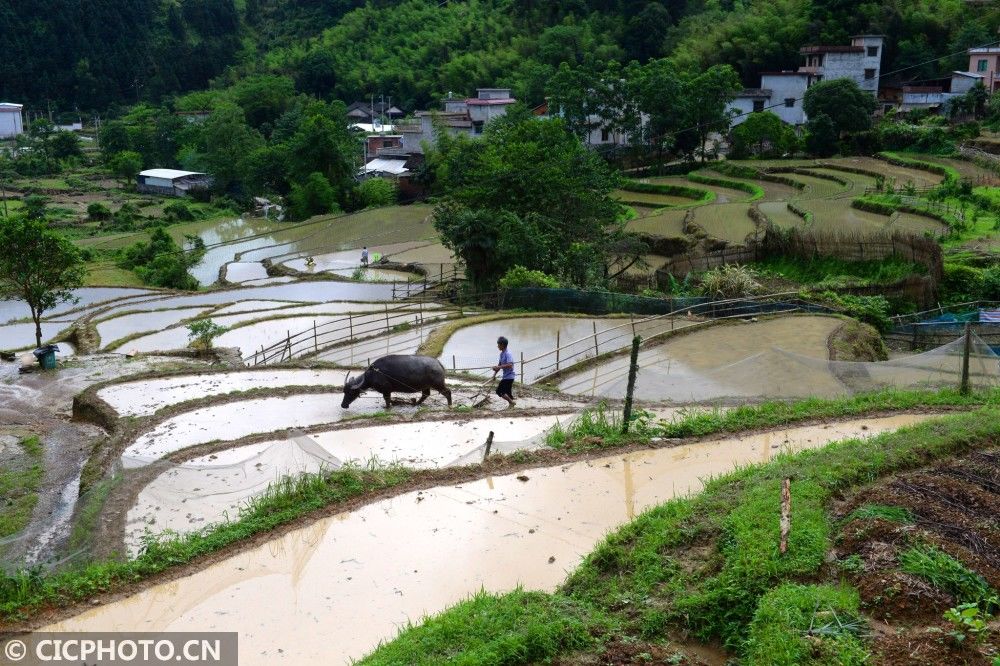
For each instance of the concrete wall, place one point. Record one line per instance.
(990, 74)
(784, 87)
(10, 124)
(869, 62)
(741, 107)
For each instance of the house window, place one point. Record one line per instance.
(477, 126)
(869, 74)
(605, 134)
(790, 102)
(387, 143)
(872, 51)
(758, 105)
(982, 65)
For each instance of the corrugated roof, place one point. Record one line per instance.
(10, 106)
(395, 167)
(831, 49)
(169, 174)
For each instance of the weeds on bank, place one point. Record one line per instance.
(946, 573)
(27, 591)
(19, 483)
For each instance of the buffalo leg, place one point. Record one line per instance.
(388, 400)
(423, 396)
(446, 393)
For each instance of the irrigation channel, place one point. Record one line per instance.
(331, 591)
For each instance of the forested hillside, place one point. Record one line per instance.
(92, 54)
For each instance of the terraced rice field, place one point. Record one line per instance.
(666, 224)
(722, 194)
(653, 199)
(730, 222)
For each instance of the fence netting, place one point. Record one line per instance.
(778, 373)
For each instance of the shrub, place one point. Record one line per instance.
(98, 212)
(872, 310)
(699, 195)
(961, 283)
(376, 192)
(730, 281)
(201, 333)
(520, 277)
(314, 197)
(179, 211)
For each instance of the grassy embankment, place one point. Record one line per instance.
(26, 593)
(19, 482)
(707, 566)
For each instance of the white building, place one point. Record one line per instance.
(171, 182)
(781, 93)
(11, 122)
(936, 97)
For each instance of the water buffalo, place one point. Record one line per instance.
(398, 374)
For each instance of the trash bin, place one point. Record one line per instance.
(47, 356)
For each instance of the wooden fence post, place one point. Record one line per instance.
(633, 370)
(315, 341)
(557, 349)
(453, 364)
(522, 368)
(965, 359)
(596, 350)
(489, 445)
(386, 317)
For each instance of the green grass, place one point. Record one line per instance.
(828, 272)
(946, 573)
(893, 514)
(514, 628)
(19, 483)
(646, 579)
(901, 159)
(26, 592)
(755, 191)
(797, 624)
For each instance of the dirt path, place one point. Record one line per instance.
(329, 592)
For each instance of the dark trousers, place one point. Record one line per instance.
(506, 388)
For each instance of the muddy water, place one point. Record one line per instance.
(87, 296)
(238, 271)
(329, 592)
(239, 419)
(22, 336)
(726, 361)
(366, 351)
(474, 347)
(210, 488)
(145, 397)
(121, 327)
(237, 234)
(251, 306)
(348, 258)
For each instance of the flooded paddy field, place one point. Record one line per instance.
(349, 259)
(528, 529)
(145, 397)
(235, 420)
(209, 488)
(15, 337)
(780, 215)
(722, 194)
(242, 271)
(116, 328)
(664, 223)
(653, 199)
(729, 222)
(723, 361)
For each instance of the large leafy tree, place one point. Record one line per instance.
(37, 266)
(530, 194)
(843, 102)
(763, 135)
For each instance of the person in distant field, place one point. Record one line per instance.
(364, 256)
(506, 388)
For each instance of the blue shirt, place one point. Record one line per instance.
(505, 358)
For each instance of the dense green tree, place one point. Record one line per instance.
(843, 102)
(530, 194)
(821, 136)
(763, 135)
(228, 140)
(314, 196)
(42, 272)
(125, 165)
(705, 101)
(65, 144)
(375, 192)
(646, 31)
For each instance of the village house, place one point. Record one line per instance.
(11, 121)
(370, 112)
(781, 92)
(599, 132)
(986, 63)
(171, 182)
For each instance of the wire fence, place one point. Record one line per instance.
(348, 329)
